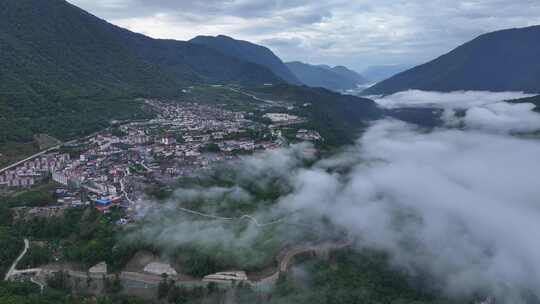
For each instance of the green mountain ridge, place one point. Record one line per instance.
(250, 52)
(66, 72)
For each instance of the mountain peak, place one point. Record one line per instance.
(248, 51)
(505, 60)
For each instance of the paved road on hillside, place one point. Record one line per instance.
(28, 158)
(12, 269)
(291, 253)
(154, 280)
(253, 96)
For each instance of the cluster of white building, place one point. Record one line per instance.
(29, 172)
(281, 117)
(160, 269)
(226, 277)
(308, 135)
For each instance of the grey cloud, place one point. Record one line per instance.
(282, 42)
(355, 33)
(441, 203)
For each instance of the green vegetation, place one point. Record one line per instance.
(338, 118)
(83, 236)
(221, 95)
(137, 168)
(28, 293)
(158, 191)
(227, 181)
(113, 286)
(64, 74)
(211, 147)
(37, 255)
(116, 131)
(10, 242)
(353, 277)
(74, 151)
(66, 119)
(171, 293)
(245, 50)
(11, 152)
(38, 196)
(78, 234)
(332, 78)
(45, 141)
(68, 73)
(199, 259)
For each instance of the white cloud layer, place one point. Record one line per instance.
(504, 117)
(354, 33)
(450, 100)
(483, 110)
(461, 206)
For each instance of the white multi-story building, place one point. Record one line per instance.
(280, 117)
(226, 277)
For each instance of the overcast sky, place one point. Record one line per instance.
(356, 33)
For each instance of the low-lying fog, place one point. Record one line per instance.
(454, 100)
(459, 205)
(482, 110)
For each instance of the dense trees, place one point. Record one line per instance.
(353, 278)
(28, 293)
(338, 118)
(35, 256)
(85, 236)
(244, 50)
(35, 197)
(65, 72)
(11, 243)
(332, 78)
(170, 292)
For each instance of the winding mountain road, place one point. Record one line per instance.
(123, 187)
(12, 270)
(243, 217)
(150, 279)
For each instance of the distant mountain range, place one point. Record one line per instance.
(505, 60)
(337, 78)
(247, 51)
(378, 73)
(66, 72)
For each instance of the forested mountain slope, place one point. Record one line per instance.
(66, 72)
(248, 51)
(505, 60)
